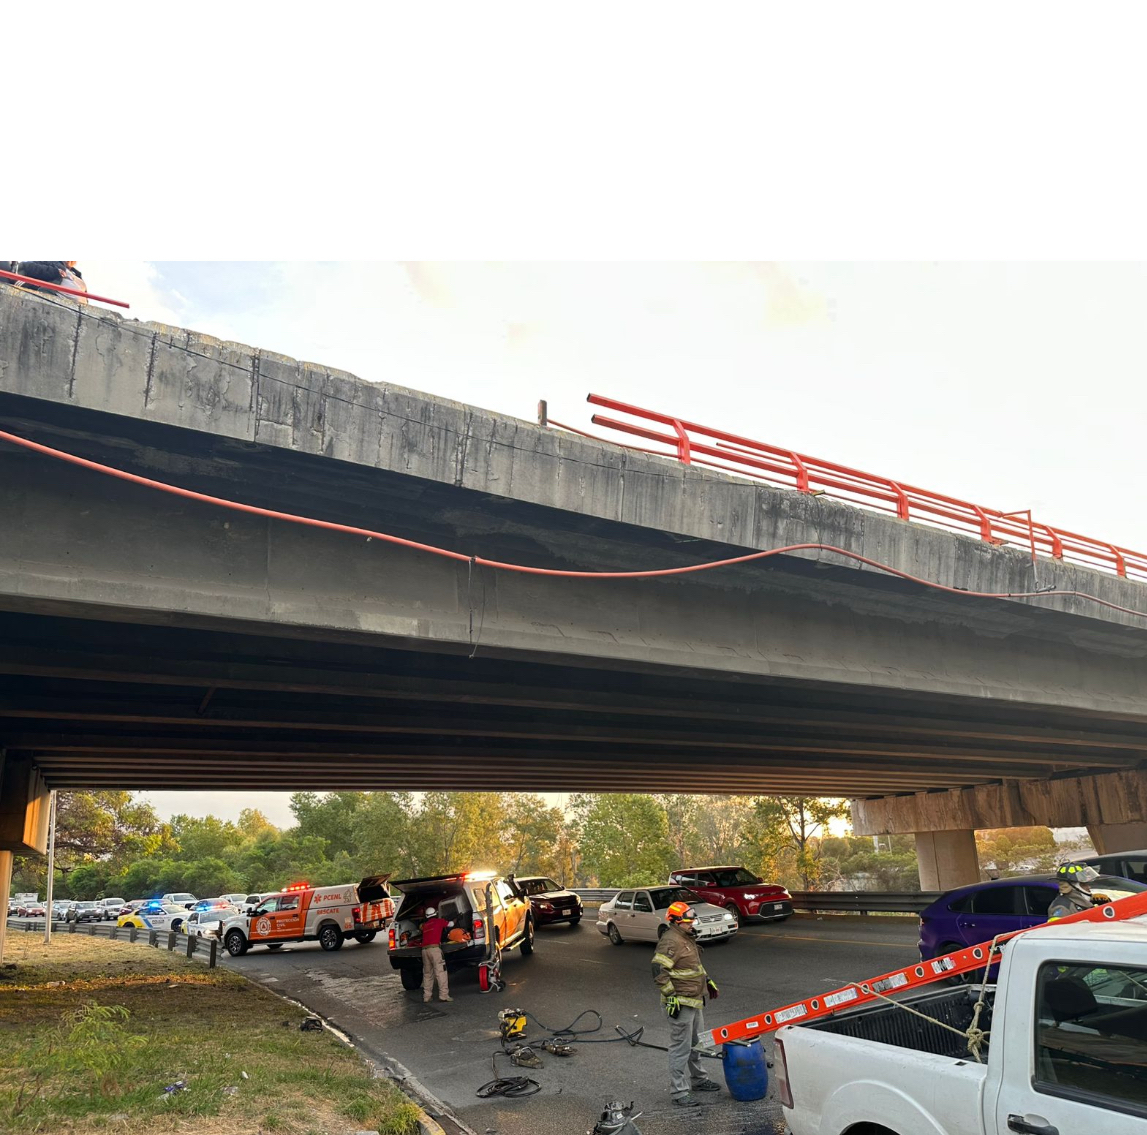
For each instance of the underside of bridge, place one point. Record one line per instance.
(98, 703)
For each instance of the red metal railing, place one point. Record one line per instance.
(695, 444)
(4, 274)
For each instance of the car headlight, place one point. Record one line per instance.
(728, 917)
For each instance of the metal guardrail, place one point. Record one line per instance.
(854, 902)
(865, 902)
(188, 944)
(693, 443)
(600, 894)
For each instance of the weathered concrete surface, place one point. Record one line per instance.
(81, 357)
(947, 859)
(91, 545)
(1108, 838)
(1112, 798)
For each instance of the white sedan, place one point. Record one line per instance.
(639, 915)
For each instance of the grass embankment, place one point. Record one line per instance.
(159, 1019)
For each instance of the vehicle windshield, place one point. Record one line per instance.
(664, 897)
(183, 897)
(734, 877)
(113, 902)
(86, 905)
(538, 886)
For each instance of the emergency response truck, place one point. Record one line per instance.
(301, 913)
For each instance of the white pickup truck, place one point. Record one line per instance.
(1067, 1054)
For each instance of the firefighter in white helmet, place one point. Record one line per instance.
(434, 929)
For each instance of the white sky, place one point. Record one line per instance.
(1014, 386)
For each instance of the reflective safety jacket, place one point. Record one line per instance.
(677, 968)
(1071, 903)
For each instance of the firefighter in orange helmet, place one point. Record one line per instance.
(683, 983)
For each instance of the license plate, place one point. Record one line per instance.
(778, 906)
(564, 912)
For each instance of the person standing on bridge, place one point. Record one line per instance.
(683, 984)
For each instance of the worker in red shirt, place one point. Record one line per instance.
(434, 929)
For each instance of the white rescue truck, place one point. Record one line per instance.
(301, 913)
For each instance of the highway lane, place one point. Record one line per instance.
(449, 1047)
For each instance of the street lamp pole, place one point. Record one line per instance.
(51, 867)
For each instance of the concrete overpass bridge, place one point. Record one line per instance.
(149, 640)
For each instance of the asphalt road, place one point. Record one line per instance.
(448, 1047)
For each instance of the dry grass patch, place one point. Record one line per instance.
(93, 1030)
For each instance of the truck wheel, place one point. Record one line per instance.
(330, 938)
(411, 977)
(236, 944)
(365, 936)
(528, 940)
(615, 935)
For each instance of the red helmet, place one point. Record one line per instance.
(681, 913)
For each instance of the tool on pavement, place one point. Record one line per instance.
(512, 1023)
(617, 1119)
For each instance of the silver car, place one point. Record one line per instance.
(639, 916)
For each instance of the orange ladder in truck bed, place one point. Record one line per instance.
(910, 977)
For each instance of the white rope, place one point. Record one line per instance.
(973, 1034)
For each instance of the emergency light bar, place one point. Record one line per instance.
(298, 887)
(911, 977)
(478, 876)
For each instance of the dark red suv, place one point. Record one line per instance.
(739, 891)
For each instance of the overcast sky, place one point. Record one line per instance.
(1013, 386)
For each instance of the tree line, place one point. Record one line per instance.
(111, 843)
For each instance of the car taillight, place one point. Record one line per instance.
(392, 938)
(781, 1073)
(479, 928)
(356, 913)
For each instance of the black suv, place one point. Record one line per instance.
(549, 901)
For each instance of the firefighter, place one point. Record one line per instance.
(434, 929)
(1075, 881)
(683, 984)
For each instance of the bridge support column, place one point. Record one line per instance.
(23, 822)
(1118, 837)
(947, 859)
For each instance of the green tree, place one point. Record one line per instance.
(623, 838)
(384, 835)
(1009, 851)
(786, 832)
(330, 817)
(530, 835)
(200, 837)
(88, 881)
(92, 825)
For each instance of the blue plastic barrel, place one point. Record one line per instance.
(746, 1072)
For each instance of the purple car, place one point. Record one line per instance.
(975, 914)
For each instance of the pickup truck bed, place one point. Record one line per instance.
(887, 1024)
